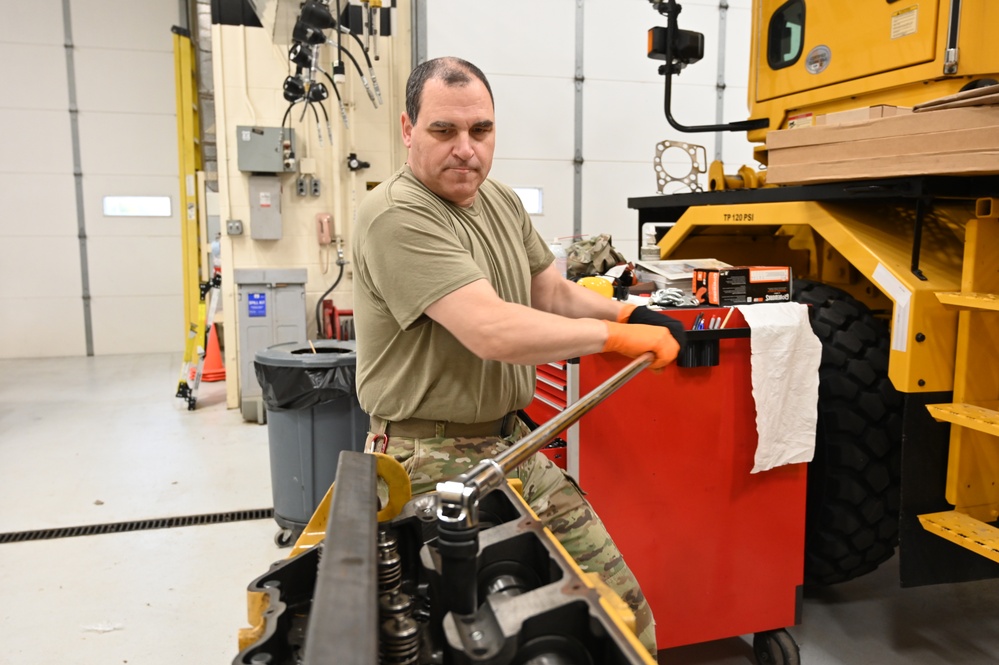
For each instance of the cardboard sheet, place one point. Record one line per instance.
(957, 141)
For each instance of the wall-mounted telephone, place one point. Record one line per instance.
(324, 221)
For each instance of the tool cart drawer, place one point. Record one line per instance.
(550, 399)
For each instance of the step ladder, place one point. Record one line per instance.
(189, 161)
(191, 382)
(973, 464)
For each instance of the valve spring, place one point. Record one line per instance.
(394, 603)
(389, 562)
(400, 642)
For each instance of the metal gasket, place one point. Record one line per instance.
(698, 164)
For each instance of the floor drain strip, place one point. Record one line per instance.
(138, 525)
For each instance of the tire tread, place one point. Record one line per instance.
(851, 522)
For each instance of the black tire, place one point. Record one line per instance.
(851, 523)
(979, 83)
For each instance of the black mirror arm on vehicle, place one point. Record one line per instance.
(678, 58)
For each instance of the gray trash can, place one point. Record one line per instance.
(312, 415)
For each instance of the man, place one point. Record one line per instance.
(456, 298)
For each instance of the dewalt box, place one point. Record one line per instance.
(743, 285)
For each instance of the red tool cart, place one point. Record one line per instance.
(666, 463)
(551, 394)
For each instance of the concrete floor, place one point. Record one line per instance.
(97, 440)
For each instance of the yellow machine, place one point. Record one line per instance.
(899, 272)
(820, 56)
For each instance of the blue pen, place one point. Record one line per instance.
(698, 321)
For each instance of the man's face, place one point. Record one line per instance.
(451, 145)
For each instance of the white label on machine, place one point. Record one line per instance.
(265, 199)
(899, 293)
(245, 134)
(905, 22)
(800, 120)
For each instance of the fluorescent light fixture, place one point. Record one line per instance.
(532, 198)
(137, 206)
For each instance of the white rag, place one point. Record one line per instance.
(785, 375)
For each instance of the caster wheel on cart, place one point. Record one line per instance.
(775, 647)
(284, 538)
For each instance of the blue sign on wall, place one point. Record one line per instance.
(257, 304)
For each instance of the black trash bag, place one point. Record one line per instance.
(292, 377)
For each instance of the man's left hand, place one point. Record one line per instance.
(631, 313)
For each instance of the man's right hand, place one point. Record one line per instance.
(633, 340)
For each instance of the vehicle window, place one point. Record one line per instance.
(786, 34)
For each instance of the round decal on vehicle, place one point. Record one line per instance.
(818, 59)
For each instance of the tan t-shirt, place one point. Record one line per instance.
(411, 248)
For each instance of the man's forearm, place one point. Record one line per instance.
(526, 336)
(494, 329)
(565, 298)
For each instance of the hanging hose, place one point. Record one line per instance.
(360, 72)
(339, 101)
(319, 303)
(371, 68)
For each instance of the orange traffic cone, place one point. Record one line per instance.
(214, 369)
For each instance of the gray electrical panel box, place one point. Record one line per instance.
(271, 311)
(265, 207)
(261, 150)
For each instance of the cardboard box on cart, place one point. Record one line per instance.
(742, 285)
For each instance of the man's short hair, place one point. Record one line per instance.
(454, 72)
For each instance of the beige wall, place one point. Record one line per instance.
(249, 71)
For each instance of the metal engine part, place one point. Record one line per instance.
(694, 160)
(371, 593)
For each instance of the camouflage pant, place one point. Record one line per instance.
(550, 492)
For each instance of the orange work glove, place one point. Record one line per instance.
(625, 312)
(631, 313)
(632, 340)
